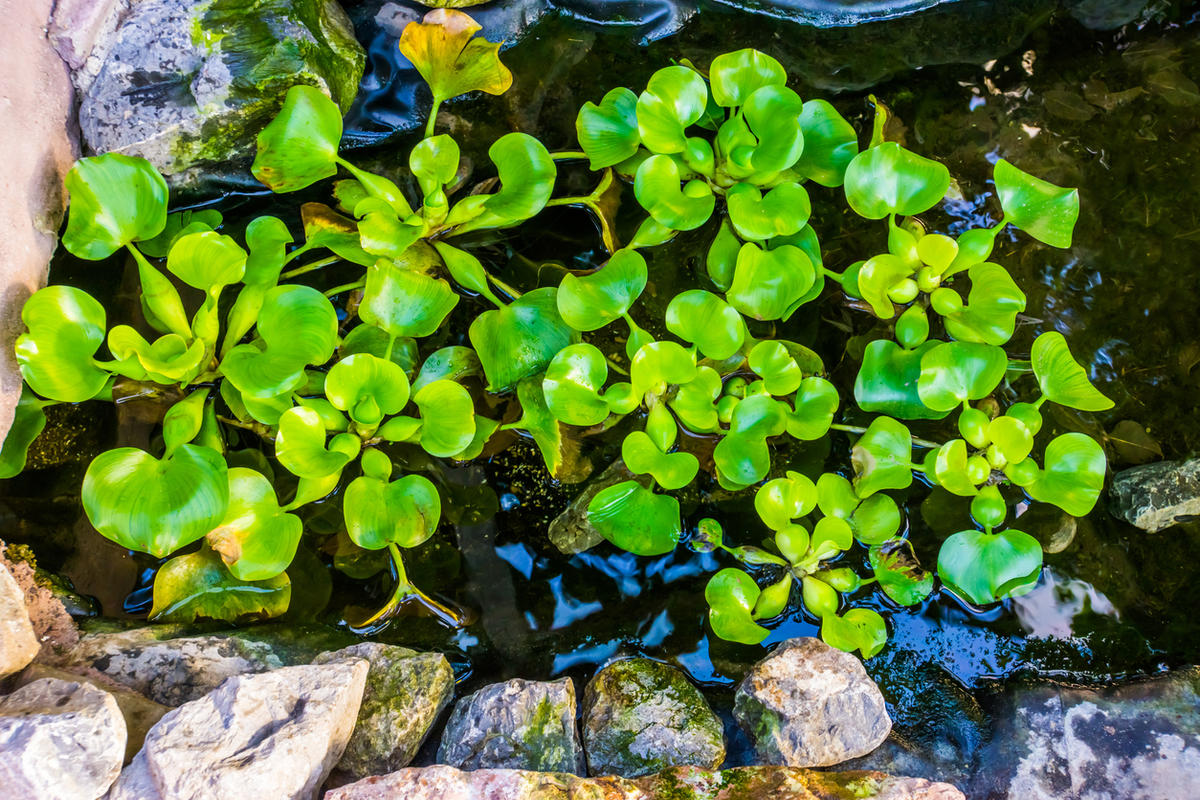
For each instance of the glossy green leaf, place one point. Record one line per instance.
(382, 233)
(816, 402)
(180, 224)
(257, 539)
(301, 449)
(29, 420)
(207, 260)
(1061, 377)
(772, 362)
(299, 147)
(156, 506)
(670, 470)
(636, 519)
(371, 339)
(519, 340)
(887, 381)
(266, 239)
(452, 60)
(707, 321)
(434, 163)
(65, 329)
(830, 144)
(888, 179)
(447, 418)
(875, 520)
(721, 259)
(882, 457)
(589, 302)
(404, 512)
(675, 98)
(912, 327)
(572, 385)
(876, 280)
(661, 364)
(820, 599)
(527, 175)
(455, 363)
(1073, 474)
(772, 114)
(858, 629)
(782, 500)
(657, 189)
(183, 421)
(198, 586)
(695, 401)
(560, 450)
(782, 211)
(608, 132)
(403, 299)
(986, 567)
(954, 372)
(835, 496)
(324, 227)
(990, 313)
(766, 283)
(367, 387)
(950, 469)
(988, 508)
(899, 573)
(735, 76)
(115, 200)
(1011, 436)
(1044, 211)
(742, 457)
(732, 595)
(830, 536)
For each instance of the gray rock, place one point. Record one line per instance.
(59, 740)
(1140, 741)
(1156, 496)
(18, 642)
(276, 735)
(641, 717)
(187, 84)
(515, 725)
(810, 705)
(405, 693)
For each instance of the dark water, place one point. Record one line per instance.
(1115, 113)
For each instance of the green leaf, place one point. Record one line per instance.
(434, 163)
(816, 403)
(572, 385)
(29, 420)
(367, 387)
(858, 629)
(875, 520)
(156, 506)
(707, 321)
(742, 457)
(207, 261)
(180, 224)
(782, 500)
(447, 418)
(66, 328)
(783, 211)
(656, 187)
(299, 147)
(899, 573)
(675, 98)
(988, 508)
(990, 314)
(115, 200)
(722, 256)
(876, 280)
(183, 421)
(888, 179)
(452, 61)
(735, 76)
(404, 512)
(882, 458)
(636, 519)
(887, 380)
(527, 175)
(382, 233)
(589, 302)
(830, 144)
(559, 450)
(324, 227)
(772, 362)
(835, 496)
(766, 283)
(608, 132)
(950, 469)
(670, 470)
(297, 328)
(1044, 211)
(1012, 438)
(772, 114)
(257, 539)
(987, 567)
(1061, 377)
(1073, 475)
(267, 239)
(300, 445)
(518, 340)
(954, 372)
(404, 301)
(198, 586)
(732, 595)
(659, 365)
(455, 363)
(695, 401)
(371, 339)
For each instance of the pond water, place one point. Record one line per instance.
(1115, 113)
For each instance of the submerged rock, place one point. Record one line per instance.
(189, 84)
(1156, 496)
(642, 716)
(276, 735)
(680, 783)
(59, 740)
(405, 692)
(810, 705)
(18, 643)
(517, 724)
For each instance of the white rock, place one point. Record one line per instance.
(59, 740)
(18, 642)
(272, 736)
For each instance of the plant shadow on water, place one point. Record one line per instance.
(1116, 114)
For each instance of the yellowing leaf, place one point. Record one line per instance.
(443, 49)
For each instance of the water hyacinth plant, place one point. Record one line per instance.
(344, 397)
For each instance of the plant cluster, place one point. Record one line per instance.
(343, 394)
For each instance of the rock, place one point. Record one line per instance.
(810, 705)
(140, 713)
(1156, 496)
(83, 32)
(18, 643)
(405, 693)
(189, 84)
(53, 627)
(515, 725)
(1140, 741)
(276, 735)
(59, 740)
(692, 783)
(642, 716)
(39, 144)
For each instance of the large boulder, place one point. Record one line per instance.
(1156, 496)
(276, 735)
(405, 693)
(188, 84)
(810, 705)
(18, 643)
(642, 716)
(517, 724)
(59, 740)
(693, 783)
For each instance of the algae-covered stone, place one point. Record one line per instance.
(1156, 496)
(810, 705)
(190, 83)
(641, 717)
(405, 692)
(517, 724)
